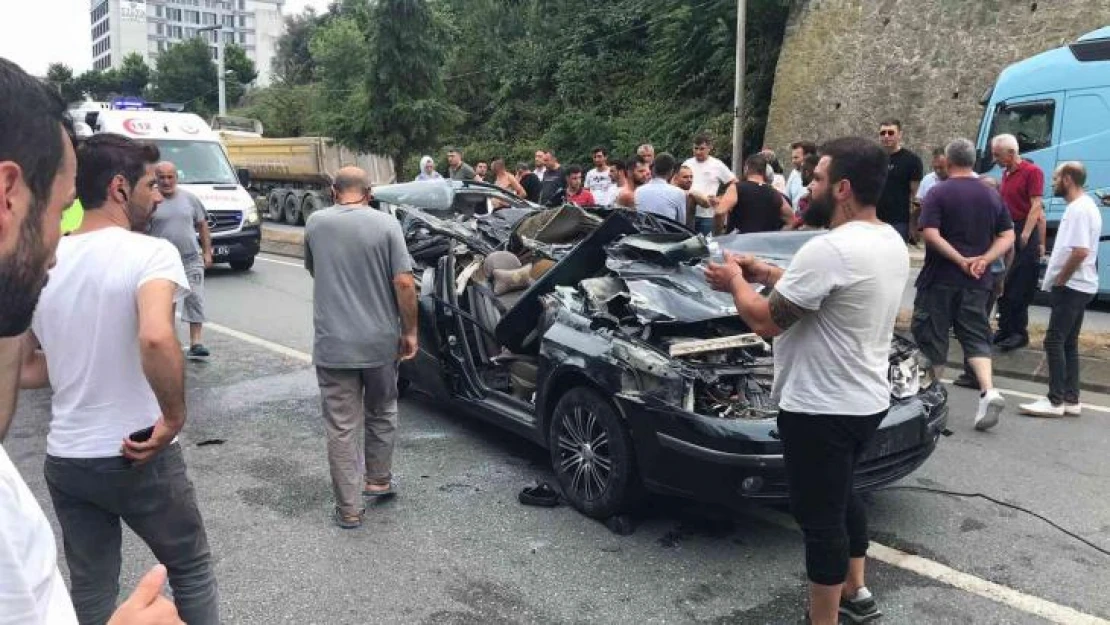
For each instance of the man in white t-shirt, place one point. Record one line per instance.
(599, 181)
(119, 390)
(709, 175)
(795, 188)
(833, 312)
(1072, 278)
(38, 167)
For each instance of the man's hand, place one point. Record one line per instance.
(407, 348)
(141, 453)
(1041, 251)
(754, 269)
(208, 259)
(1025, 238)
(720, 277)
(975, 267)
(146, 605)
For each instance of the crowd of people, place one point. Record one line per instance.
(118, 401)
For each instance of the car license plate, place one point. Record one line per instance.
(220, 250)
(894, 440)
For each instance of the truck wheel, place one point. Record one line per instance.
(292, 206)
(242, 265)
(274, 203)
(312, 202)
(592, 454)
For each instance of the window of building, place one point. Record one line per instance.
(159, 11)
(229, 21)
(161, 29)
(175, 31)
(209, 19)
(192, 17)
(215, 52)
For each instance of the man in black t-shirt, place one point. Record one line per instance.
(554, 191)
(530, 182)
(903, 176)
(752, 205)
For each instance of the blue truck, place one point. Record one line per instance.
(1057, 104)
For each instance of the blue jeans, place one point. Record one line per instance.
(156, 500)
(703, 225)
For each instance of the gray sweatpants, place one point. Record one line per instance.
(156, 500)
(357, 400)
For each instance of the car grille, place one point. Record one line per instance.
(223, 221)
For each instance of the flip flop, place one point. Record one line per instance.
(345, 522)
(389, 492)
(541, 495)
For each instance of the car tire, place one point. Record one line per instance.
(243, 264)
(292, 209)
(592, 454)
(274, 205)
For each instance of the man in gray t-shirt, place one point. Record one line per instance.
(179, 218)
(364, 313)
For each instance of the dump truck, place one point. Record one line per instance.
(291, 177)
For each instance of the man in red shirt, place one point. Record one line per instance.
(576, 193)
(1022, 190)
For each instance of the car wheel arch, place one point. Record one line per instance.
(560, 382)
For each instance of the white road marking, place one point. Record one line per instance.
(924, 567)
(288, 352)
(1048, 610)
(279, 262)
(1025, 395)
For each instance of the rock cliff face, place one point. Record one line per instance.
(847, 64)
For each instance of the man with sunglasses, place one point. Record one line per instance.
(904, 174)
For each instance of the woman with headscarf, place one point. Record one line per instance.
(428, 170)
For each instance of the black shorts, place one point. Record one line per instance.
(940, 308)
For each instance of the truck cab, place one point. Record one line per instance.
(1057, 104)
(202, 169)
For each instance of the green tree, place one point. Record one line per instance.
(241, 72)
(99, 85)
(284, 110)
(293, 63)
(134, 75)
(60, 76)
(186, 74)
(406, 109)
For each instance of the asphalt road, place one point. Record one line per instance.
(455, 547)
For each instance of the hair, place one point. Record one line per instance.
(1005, 142)
(455, 150)
(862, 162)
(33, 126)
(756, 164)
(105, 156)
(1074, 170)
(573, 169)
(940, 151)
(891, 121)
(960, 153)
(703, 138)
(603, 151)
(522, 166)
(637, 160)
(808, 147)
(619, 165)
(809, 164)
(663, 166)
(647, 146)
(479, 162)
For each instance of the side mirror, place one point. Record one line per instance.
(244, 177)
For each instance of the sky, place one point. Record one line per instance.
(41, 32)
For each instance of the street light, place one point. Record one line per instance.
(738, 96)
(221, 76)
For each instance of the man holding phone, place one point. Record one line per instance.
(117, 373)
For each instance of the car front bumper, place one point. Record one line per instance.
(236, 246)
(724, 460)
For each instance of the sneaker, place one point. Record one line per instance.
(990, 407)
(1043, 408)
(860, 608)
(1073, 410)
(197, 351)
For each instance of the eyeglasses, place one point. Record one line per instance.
(887, 133)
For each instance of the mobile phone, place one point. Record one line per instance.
(143, 435)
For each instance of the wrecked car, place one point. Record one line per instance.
(596, 336)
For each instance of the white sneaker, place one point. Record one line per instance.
(1073, 410)
(990, 407)
(1042, 408)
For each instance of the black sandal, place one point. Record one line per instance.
(541, 495)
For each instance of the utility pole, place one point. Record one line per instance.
(738, 97)
(221, 74)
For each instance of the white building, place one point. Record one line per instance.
(120, 27)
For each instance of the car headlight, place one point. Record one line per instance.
(252, 217)
(905, 377)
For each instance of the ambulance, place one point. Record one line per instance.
(202, 168)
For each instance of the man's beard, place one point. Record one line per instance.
(1059, 191)
(23, 276)
(138, 217)
(820, 211)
